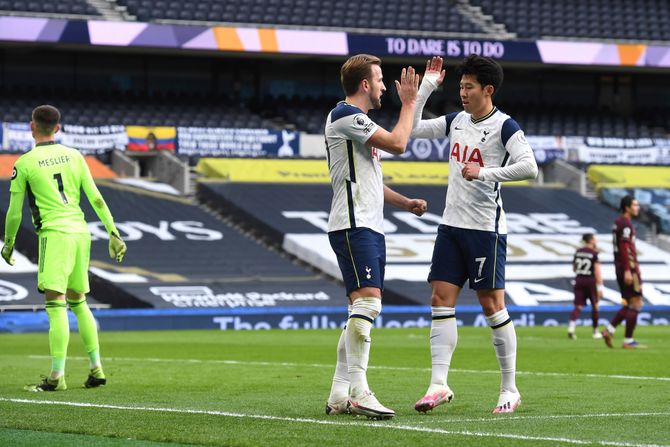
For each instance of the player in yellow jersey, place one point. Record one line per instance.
(52, 176)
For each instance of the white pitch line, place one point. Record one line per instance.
(335, 423)
(547, 417)
(391, 368)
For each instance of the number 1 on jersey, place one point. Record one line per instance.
(59, 180)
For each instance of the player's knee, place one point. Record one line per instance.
(437, 300)
(71, 295)
(368, 307)
(363, 314)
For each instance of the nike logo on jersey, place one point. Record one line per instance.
(458, 128)
(479, 280)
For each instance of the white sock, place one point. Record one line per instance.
(504, 343)
(571, 326)
(443, 339)
(357, 339)
(611, 329)
(340, 387)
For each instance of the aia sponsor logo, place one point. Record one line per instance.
(467, 155)
(375, 154)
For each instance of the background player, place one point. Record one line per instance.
(627, 274)
(486, 147)
(355, 224)
(588, 283)
(52, 176)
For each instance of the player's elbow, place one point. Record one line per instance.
(98, 202)
(399, 149)
(530, 169)
(398, 145)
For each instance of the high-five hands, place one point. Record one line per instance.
(408, 86)
(434, 72)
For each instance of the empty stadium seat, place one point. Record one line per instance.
(75, 7)
(643, 20)
(423, 15)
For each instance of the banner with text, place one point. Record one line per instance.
(228, 142)
(17, 137)
(450, 48)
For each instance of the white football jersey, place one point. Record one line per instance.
(355, 170)
(497, 144)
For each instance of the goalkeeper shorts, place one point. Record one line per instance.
(63, 261)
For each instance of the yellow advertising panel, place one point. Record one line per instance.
(315, 171)
(627, 176)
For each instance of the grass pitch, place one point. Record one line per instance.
(269, 388)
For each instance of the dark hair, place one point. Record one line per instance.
(355, 69)
(587, 237)
(46, 118)
(626, 201)
(486, 70)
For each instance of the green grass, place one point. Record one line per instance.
(270, 388)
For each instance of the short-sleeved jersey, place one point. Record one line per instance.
(488, 141)
(51, 175)
(355, 171)
(623, 240)
(584, 262)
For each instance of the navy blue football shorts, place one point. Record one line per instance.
(361, 255)
(461, 254)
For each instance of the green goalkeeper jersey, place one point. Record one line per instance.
(52, 176)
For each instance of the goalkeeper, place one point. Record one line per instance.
(52, 176)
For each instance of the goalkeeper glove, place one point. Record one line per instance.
(117, 248)
(8, 251)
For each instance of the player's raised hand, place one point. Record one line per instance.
(408, 86)
(470, 171)
(117, 248)
(8, 252)
(417, 206)
(434, 70)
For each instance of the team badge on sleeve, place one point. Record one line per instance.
(363, 121)
(359, 120)
(13, 173)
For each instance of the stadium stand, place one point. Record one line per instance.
(69, 7)
(309, 115)
(306, 114)
(224, 267)
(654, 203)
(545, 228)
(643, 20)
(134, 109)
(422, 15)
